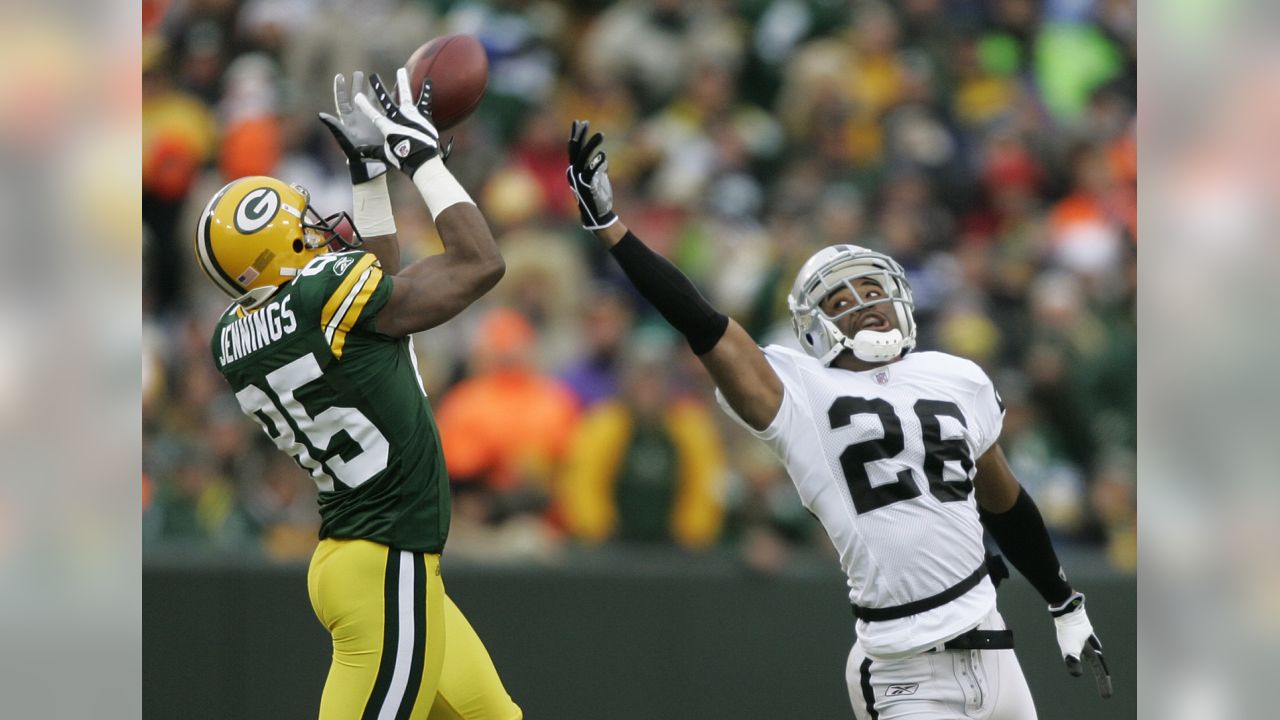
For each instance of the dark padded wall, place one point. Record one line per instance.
(662, 639)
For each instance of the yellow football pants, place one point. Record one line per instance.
(401, 649)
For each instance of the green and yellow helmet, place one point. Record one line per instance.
(259, 232)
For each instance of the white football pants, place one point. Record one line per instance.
(940, 685)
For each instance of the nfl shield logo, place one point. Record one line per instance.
(881, 377)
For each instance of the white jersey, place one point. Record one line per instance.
(884, 458)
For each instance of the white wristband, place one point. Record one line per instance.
(438, 187)
(372, 205)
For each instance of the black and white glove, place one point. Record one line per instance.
(356, 134)
(1077, 642)
(409, 138)
(589, 178)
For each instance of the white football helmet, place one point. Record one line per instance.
(835, 267)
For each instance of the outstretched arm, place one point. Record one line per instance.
(433, 289)
(361, 141)
(1018, 528)
(735, 361)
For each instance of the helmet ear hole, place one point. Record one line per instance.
(808, 337)
(297, 245)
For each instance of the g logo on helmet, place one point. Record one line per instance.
(256, 210)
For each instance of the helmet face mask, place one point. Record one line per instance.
(337, 232)
(835, 268)
(258, 232)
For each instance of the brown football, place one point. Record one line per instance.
(459, 72)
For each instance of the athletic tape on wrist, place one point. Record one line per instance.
(372, 208)
(438, 187)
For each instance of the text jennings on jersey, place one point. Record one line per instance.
(257, 330)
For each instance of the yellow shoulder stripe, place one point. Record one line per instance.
(350, 308)
(363, 292)
(336, 299)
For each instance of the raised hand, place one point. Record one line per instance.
(356, 134)
(588, 175)
(409, 138)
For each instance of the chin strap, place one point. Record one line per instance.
(866, 345)
(873, 346)
(256, 297)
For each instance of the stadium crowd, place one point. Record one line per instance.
(987, 146)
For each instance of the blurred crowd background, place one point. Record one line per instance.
(989, 146)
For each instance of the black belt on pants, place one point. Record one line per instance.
(981, 640)
(916, 607)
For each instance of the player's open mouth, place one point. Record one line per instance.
(873, 321)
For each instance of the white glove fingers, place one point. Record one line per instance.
(379, 120)
(341, 100)
(357, 82)
(402, 87)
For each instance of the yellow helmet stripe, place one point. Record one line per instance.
(204, 251)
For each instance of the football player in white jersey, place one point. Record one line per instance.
(894, 452)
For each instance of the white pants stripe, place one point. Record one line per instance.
(404, 645)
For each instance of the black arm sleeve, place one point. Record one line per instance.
(674, 296)
(1022, 536)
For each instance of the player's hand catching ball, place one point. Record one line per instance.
(589, 178)
(356, 134)
(1078, 642)
(409, 137)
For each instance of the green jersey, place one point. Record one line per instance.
(345, 401)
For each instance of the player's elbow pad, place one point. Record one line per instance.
(671, 293)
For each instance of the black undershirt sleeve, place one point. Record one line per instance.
(1023, 538)
(671, 293)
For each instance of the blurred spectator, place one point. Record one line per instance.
(647, 467)
(194, 505)
(283, 509)
(1067, 338)
(1114, 502)
(178, 133)
(765, 516)
(650, 45)
(990, 147)
(249, 113)
(1036, 456)
(606, 323)
(505, 428)
(1087, 228)
(1072, 59)
(704, 132)
(545, 279)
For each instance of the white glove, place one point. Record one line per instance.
(410, 138)
(356, 134)
(1077, 641)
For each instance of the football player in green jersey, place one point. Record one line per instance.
(316, 347)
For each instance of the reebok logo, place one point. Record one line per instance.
(402, 149)
(341, 265)
(894, 690)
